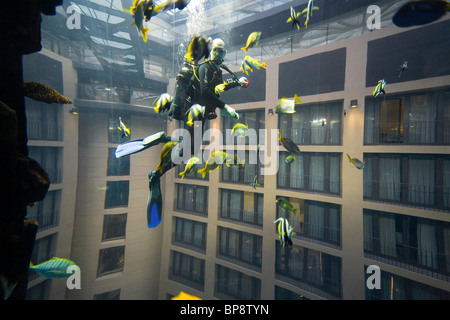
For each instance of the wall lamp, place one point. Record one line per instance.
(270, 113)
(74, 111)
(353, 105)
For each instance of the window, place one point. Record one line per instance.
(190, 234)
(419, 180)
(313, 124)
(42, 121)
(416, 241)
(240, 247)
(117, 166)
(187, 270)
(48, 158)
(244, 174)
(117, 194)
(410, 118)
(114, 134)
(311, 172)
(241, 206)
(314, 220)
(43, 250)
(395, 287)
(192, 198)
(46, 211)
(111, 260)
(114, 226)
(40, 291)
(253, 119)
(309, 269)
(232, 284)
(110, 295)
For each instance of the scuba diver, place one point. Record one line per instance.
(196, 85)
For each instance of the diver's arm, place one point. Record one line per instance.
(206, 74)
(230, 84)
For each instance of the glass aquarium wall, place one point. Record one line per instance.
(245, 150)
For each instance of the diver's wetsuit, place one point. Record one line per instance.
(198, 87)
(210, 75)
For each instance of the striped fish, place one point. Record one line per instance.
(53, 268)
(285, 231)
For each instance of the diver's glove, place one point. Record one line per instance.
(243, 82)
(228, 111)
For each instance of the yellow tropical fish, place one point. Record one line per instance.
(252, 40)
(255, 182)
(380, 88)
(285, 231)
(293, 17)
(290, 145)
(163, 103)
(195, 113)
(254, 63)
(286, 205)
(197, 49)
(190, 166)
(356, 162)
(286, 105)
(232, 159)
(309, 11)
(245, 68)
(184, 296)
(53, 268)
(41, 92)
(215, 161)
(239, 130)
(137, 10)
(289, 159)
(122, 127)
(165, 156)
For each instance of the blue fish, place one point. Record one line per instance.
(417, 13)
(53, 268)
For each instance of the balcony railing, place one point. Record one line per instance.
(241, 217)
(195, 244)
(423, 261)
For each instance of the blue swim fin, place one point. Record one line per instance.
(154, 202)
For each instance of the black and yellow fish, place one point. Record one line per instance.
(290, 145)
